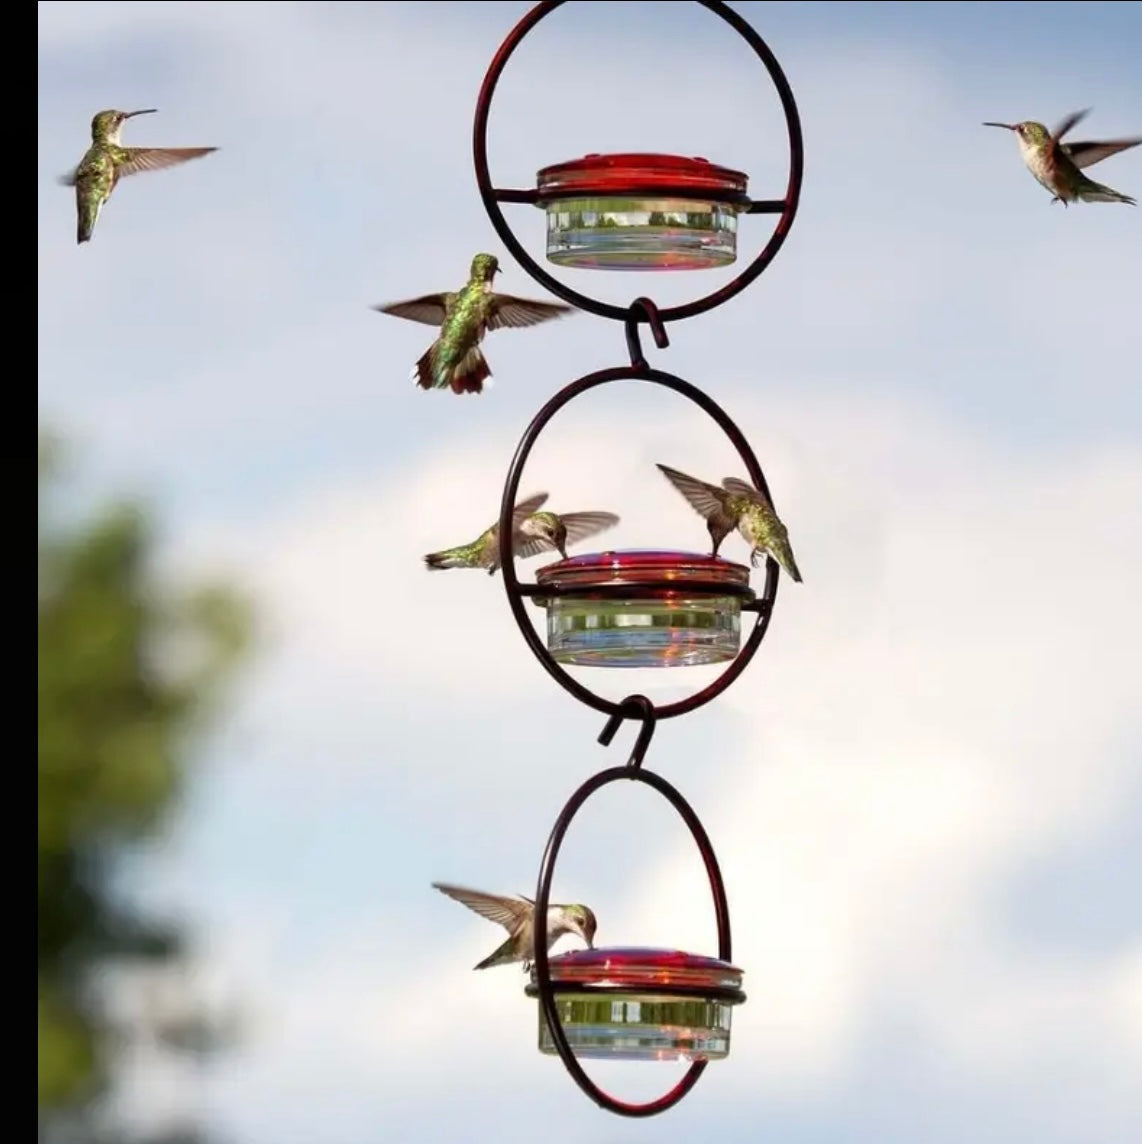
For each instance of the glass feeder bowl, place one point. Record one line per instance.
(641, 212)
(639, 608)
(641, 1004)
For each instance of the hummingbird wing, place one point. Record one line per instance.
(738, 488)
(507, 912)
(429, 309)
(525, 508)
(157, 158)
(68, 180)
(1087, 154)
(1071, 120)
(507, 311)
(579, 526)
(706, 500)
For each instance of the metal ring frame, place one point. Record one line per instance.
(516, 592)
(642, 310)
(493, 196)
(634, 705)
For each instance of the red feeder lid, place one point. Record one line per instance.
(640, 565)
(625, 174)
(639, 968)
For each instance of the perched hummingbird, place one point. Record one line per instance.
(1057, 165)
(741, 506)
(533, 532)
(454, 359)
(106, 162)
(517, 916)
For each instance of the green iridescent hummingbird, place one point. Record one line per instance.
(517, 916)
(737, 505)
(106, 162)
(533, 532)
(1058, 165)
(454, 360)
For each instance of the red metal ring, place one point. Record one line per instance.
(490, 195)
(541, 963)
(516, 597)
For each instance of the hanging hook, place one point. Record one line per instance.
(643, 310)
(633, 707)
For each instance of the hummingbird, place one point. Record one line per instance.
(532, 532)
(454, 360)
(737, 505)
(106, 162)
(1058, 165)
(517, 916)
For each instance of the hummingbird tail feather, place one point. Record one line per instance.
(502, 956)
(86, 215)
(446, 559)
(1100, 193)
(469, 376)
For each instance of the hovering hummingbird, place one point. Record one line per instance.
(533, 532)
(741, 506)
(517, 916)
(454, 359)
(1057, 165)
(106, 162)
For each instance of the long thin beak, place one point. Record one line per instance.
(1009, 126)
(145, 111)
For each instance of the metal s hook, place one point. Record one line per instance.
(633, 707)
(644, 310)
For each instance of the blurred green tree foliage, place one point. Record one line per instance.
(128, 674)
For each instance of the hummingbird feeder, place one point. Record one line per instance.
(641, 212)
(642, 1004)
(644, 609)
(638, 211)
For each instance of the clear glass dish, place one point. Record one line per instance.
(594, 222)
(606, 622)
(642, 1004)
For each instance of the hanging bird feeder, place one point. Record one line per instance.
(641, 1004)
(641, 212)
(643, 609)
(638, 211)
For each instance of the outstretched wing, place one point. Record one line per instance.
(738, 488)
(705, 499)
(1087, 154)
(507, 912)
(430, 309)
(517, 312)
(525, 508)
(68, 180)
(579, 526)
(1070, 121)
(157, 158)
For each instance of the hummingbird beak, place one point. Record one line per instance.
(145, 111)
(1009, 126)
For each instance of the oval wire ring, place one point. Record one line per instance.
(606, 309)
(541, 963)
(507, 561)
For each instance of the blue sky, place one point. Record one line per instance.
(924, 794)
